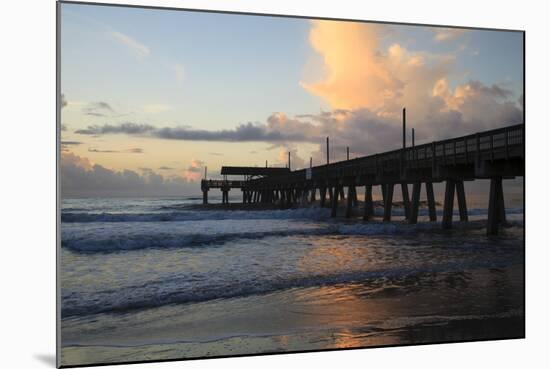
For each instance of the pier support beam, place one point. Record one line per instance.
(282, 202)
(289, 198)
(431, 201)
(369, 209)
(461, 197)
(323, 195)
(205, 197)
(351, 190)
(448, 204)
(406, 202)
(335, 201)
(415, 202)
(225, 196)
(354, 200)
(450, 187)
(388, 202)
(312, 197)
(496, 213)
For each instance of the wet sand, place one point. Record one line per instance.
(471, 305)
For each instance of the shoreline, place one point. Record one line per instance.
(310, 319)
(460, 331)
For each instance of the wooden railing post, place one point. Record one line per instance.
(478, 150)
(466, 150)
(506, 142)
(492, 148)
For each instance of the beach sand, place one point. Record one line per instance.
(312, 319)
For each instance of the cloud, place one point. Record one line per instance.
(194, 171)
(70, 143)
(296, 161)
(133, 45)
(166, 168)
(135, 150)
(215, 153)
(356, 72)
(63, 101)
(361, 73)
(81, 178)
(91, 149)
(126, 128)
(98, 109)
(456, 99)
(70, 159)
(447, 34)
(66, 145)
(367, 85)
(278, 129)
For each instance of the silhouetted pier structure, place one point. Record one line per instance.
(249, 173)
(495, 155)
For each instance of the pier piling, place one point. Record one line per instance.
(415, 202)
(388, 202)
(448, 204)
(368, 212)
(335, 201)
(496, 213)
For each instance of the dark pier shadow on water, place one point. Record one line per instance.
(48, 359)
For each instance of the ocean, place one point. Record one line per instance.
(162, 278)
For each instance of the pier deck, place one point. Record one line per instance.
(496, 155)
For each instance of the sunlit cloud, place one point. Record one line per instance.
(356, 73)
(194, 171)
(360, 73)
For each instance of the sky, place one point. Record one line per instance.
(152, 97)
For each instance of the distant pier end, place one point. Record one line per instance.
(249, 174)
(496, 155)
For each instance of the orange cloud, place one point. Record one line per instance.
(362, 74)
(356, 75)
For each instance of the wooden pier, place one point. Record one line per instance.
(495, 155)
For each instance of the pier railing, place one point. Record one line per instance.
(494, 144)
